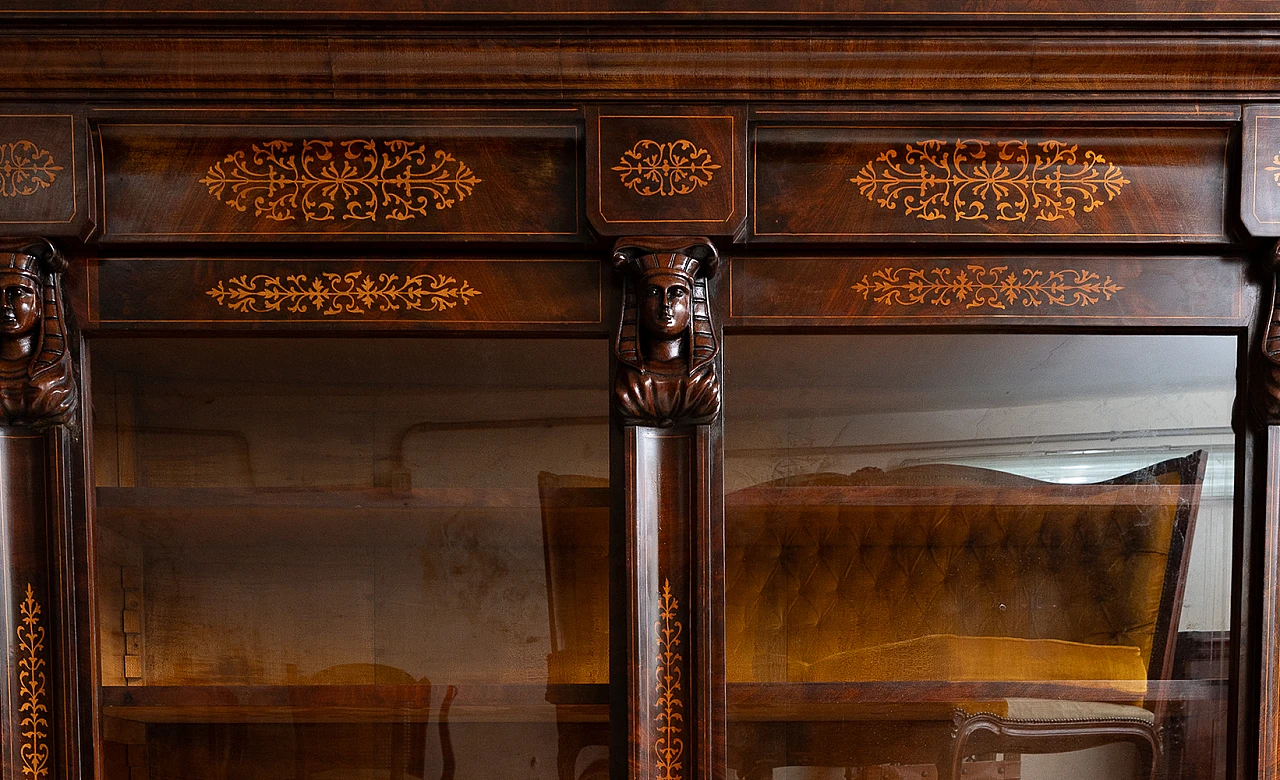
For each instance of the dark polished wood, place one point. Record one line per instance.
(636, 10)
(460, 167)
(441, 176)
(666, 170)
(671, 724)
(667, 342)
(87, 62)
(37, 385)
(1171, 292)
(44, 165)
(353, 295)
(30, 609)
(868, 183)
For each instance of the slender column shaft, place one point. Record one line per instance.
(26, 708)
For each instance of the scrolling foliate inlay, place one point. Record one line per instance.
(1274, 169)
(25, 169)
(361, 179)
(669, 744)
(33, 712)
(976, 286)
(351, 293)
(665, 169)
(978, 180)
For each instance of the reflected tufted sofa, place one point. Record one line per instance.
(948, 572)
(944, 574)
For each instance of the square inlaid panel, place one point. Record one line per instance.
(662, 171)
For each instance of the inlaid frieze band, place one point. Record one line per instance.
(360, 179)
(665, 169)
(25, 169)
(992, 287)
(354, 292)
(1008, 181)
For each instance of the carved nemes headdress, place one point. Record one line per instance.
(642, 259)
(43, 390)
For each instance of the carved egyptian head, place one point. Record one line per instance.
(665, 318)
(36, 384)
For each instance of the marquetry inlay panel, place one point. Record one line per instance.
(1008, 181)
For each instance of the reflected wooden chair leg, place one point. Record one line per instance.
(447, 763)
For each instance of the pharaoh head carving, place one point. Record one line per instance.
(666, 345)
(36, 382)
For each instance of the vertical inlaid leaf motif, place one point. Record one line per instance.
(977, 180)
(33, 711)
(361, 179)
(669, 745)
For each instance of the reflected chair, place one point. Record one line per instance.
(575, 528)
(1008, 614)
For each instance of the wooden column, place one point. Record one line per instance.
(668, 718)
(24, 542)
(37, 393)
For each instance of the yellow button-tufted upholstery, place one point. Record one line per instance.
(821, 566)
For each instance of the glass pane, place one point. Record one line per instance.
(352, 558)
(1022, 540)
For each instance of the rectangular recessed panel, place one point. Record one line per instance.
(895, 290)
(494, 180)
(841, 183)
(449, 293)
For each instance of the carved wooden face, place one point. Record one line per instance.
(19, 304)
(664, 305)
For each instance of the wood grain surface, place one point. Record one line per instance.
(494, 179)
(1069, 290)
(514, 294)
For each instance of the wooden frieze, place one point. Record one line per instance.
(1260, 174)
(42, 182)
(469, 179)
(666, 171)
(1169, 291)
(520, 294)
(875, 183)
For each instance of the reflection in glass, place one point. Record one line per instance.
(982, 554)
(339, 558)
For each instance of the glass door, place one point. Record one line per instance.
(980, 555)
(328, 559)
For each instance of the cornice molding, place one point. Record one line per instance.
(456, 63)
